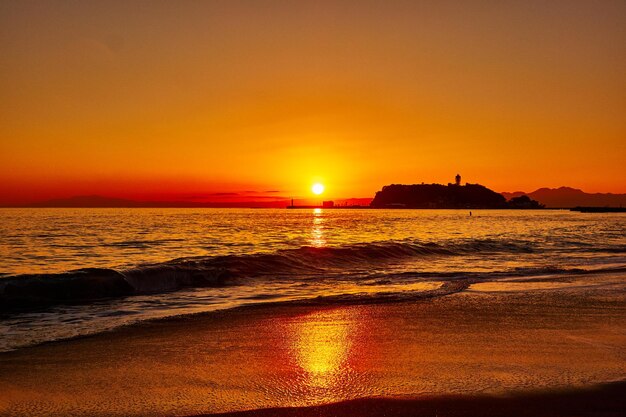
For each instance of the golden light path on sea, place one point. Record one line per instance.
(317, 238)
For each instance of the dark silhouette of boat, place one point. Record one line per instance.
(599, 209)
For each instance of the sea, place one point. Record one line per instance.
(66, 273)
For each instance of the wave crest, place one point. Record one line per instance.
(36, 290)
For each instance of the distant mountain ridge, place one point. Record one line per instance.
(567, 197)
(98, 201)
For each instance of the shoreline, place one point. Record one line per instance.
(447, 288)
(493, 342)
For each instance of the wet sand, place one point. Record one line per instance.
(494, 340)
(607, 400)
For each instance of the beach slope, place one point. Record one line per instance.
(494, 348)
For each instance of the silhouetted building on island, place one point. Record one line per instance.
(457, 179)
(328, 204)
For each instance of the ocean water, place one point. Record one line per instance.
(71, 272)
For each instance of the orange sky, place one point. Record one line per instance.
(178, 100)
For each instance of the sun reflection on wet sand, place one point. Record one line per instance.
(323, 349)
(317, 238)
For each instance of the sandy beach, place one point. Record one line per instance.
(558, 334)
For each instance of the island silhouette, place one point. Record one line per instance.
(451, 196)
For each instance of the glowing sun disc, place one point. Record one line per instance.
(317, 188)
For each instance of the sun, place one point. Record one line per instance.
(317, 188)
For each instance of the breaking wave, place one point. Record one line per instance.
(79, 286)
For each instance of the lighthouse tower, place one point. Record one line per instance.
(457, 179)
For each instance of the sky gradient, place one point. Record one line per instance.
(189, 99)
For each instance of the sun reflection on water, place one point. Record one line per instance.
(317, 237)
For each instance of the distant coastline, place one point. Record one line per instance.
(551, 198)
(568, 197)
(600, 209)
